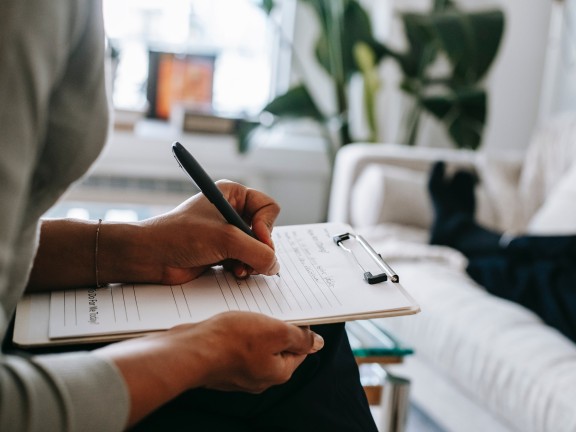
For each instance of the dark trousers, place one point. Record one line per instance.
(324, 394)
(538, 272)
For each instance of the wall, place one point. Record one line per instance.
(516, 81)
(559, 92)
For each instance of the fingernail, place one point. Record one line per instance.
(243, 272)
(275, 268)
(318, 342)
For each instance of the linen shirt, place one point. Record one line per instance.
(53, 124)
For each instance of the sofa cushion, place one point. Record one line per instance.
(550, 155)
(386, 193)
(493, 349)
(499, 175)
(558, 213)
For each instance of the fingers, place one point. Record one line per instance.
(257, 208)
(263, 232)
(288, 346)
(299, 343)
(252, 254)
(260, 211)
(263, 209)
(302, 340)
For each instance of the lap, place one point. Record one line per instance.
(323, 394)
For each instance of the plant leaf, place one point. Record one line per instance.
(471, 41)
(356, 28)
(266, 5)
(422, 44)
(297, 103)
(366, 60)
(466, 134)
(463, 113)
(439, 106)
(489, 28)
(442, 5)
(244, 130)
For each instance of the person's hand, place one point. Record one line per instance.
(170, 249)
(239, 351)
(178, 246)
(246, 351)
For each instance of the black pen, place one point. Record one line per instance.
(208, 187)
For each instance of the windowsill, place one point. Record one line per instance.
(280, 150)
(290, 166)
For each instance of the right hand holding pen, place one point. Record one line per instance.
(183, 243)
(233, 351)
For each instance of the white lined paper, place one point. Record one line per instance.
(319, 282)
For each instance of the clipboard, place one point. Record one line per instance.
(328, 274)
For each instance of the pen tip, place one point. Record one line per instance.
(278, 274)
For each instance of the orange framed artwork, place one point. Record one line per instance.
(178, 78)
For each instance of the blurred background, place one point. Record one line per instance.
(205, 72)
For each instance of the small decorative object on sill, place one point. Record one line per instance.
(196, 119)
(126, 119)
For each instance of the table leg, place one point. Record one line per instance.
(394, 403)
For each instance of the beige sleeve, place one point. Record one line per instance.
(38, 42)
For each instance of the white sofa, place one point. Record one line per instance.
(481, 363)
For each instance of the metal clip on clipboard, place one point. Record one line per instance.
(368, 276)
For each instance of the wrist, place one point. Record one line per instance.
(123, 254)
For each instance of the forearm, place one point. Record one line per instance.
(172, 248)
(52, 393)
(69, 254)
(153, 372)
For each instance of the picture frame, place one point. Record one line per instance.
(175, 78)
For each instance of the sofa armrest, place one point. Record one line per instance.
(353, 159)
(386, 183)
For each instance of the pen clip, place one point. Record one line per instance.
(387, 273)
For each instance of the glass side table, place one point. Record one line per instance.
(375, 348)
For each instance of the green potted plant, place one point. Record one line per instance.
(467, 41)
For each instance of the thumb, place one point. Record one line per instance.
(259, 256)
(304, 341)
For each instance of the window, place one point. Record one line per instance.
(237, 33)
